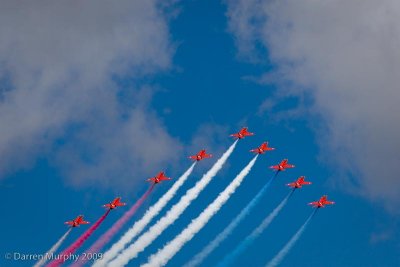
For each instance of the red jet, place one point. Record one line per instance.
(242, 133)
(298, 183)
(115, 203)
(262, 149)
(158, 178)
(282, 166)
(77, 221)
(201, 155)
(321, 202)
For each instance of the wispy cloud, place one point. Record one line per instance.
(379, 237)
(343, 54)
(59, 97)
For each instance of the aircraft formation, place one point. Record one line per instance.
(162, 256)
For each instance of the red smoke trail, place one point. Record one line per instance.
(76, 245)
(106, 237)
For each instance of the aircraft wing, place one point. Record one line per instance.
(291, 184)
(235, 135)
(119, 203)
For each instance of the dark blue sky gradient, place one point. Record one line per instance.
(207, 86)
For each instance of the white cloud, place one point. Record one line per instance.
(58, 98)
(345, 55)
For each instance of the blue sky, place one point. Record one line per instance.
(194, 93)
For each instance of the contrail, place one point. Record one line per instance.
(229, 259)
(145, 239)
(105, 238)
(142, 223)
(279, 257)
(78, 243)
(168, 251)
(199, 258)
(52, 249)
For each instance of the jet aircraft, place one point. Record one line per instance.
(262, 149)
(115, 203)
(242, 133)
(321, 202)
(201, 155)
(282, 166)
(158, 178)
(77, 221)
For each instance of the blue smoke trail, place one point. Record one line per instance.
(199, 258)
(284, 251)
(228, 260)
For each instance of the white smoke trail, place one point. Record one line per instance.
(142, 223)
(145, 239)
(168, 251)
(53, 249)
(284, 251)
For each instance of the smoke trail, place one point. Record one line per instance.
(228, 260)
(141, 224)
(199, 258)
(52, 249)
(76, 245)
(279, 257)
(168, 251)
(105, 238)
(145, 240)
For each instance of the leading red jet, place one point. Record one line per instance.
(242, 133)
(299, 182)
(115, 203)
(262, 149)
(201, 155)
(282, 166)
(321, 202)
(77, 221)
(158, 178)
